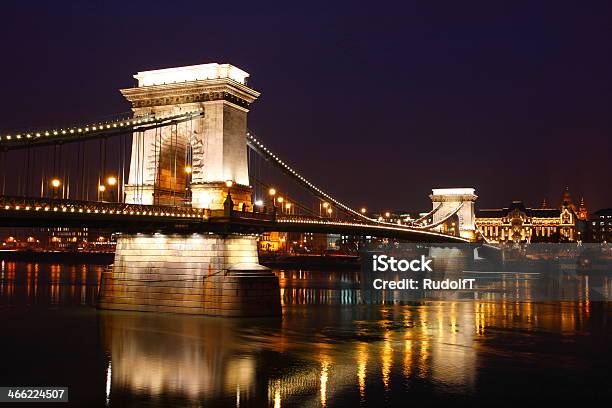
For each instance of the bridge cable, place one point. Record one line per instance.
(156, 153)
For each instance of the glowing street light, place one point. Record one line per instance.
(387, 214)
(363, 210)
(259, 203)
(56, 183)
(111, 180)
(188, 169)
(101, 188)
(229, 183)
(329, 211)
(272, 192)
(325, 205)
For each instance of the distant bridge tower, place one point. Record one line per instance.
(456, 210)
(213, 146)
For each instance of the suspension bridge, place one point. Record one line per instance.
(188, 187)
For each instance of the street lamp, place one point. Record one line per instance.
(188, 169)
(101, 190)
(272, 192)
(111, 181)
(229, 204)
(55, 183)
(329, 211)
(363, 210)
(324, 205)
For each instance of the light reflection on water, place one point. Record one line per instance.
(329, 349)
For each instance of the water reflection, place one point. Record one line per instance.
(356, 357)
(180, 356)
(329, 349)
(42, 283)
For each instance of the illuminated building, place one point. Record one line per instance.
(519, 223)
(293, 242)
(600, 226)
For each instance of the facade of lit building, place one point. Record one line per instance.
(293, 242)
(518, 223)
(57, 239)
(600, 226)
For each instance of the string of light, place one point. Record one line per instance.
(260, 147)
(99, 127)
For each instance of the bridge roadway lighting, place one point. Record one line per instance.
(272, 192)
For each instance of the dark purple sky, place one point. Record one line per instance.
(377, 103)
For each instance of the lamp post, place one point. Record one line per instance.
(325, 205)
(112, 183)
(55, 184)
(228, 204)
(101, 190)
(258, 206)
(272, 193)
(188, 171)
(280, 202)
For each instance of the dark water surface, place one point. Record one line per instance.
(329, 349)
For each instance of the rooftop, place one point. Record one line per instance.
(191, 73)
(452, 191)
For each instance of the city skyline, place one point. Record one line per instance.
(377, 109)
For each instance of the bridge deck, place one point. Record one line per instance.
(120, 217)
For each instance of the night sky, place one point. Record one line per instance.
(377, 103)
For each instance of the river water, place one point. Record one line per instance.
(330, 349)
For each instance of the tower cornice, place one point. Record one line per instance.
(191, 92)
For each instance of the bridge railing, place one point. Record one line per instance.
(98, 207)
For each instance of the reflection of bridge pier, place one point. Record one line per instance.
(156, 357)
(216, 274)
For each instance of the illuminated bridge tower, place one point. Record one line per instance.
(170, 271)
(211, 147)
(455, 211)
